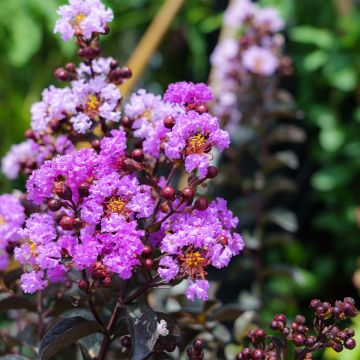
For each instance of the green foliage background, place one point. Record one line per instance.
(326, 52)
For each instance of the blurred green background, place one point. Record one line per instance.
(323, 38)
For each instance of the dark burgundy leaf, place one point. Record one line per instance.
(65, 333)
(16, 302)
(142, 322)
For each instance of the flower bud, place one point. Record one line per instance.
(169, 122)
(54, 205)
(201, 204)
(67, 222)
(168, 193)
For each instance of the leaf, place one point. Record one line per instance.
(344, 79)
(311, 35)
(65, 333)
(243, 324)
(16, 302)
(142, 323)
(331, 138)
(12, 276)
(227, 312)
(90, 345)
(277, 343)
(315, 60)
(284, 218)
(287, 134)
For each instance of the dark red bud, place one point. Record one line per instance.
(83, 189)
(148, 263)
(201, 203)
(126, 122)
(70, 67)
(137, 155)
(350, 344)
(201, 109)
(198, 344)
(114, 64)
(299, 340)
(61, 74)
(168, 193)
(54, 205)
(83, 284)
(125, 72)
(188, 194)
(148, 249)
(67, 222)
(126, 342)
(169, 122)
(212, 172)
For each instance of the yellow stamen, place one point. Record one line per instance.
(33, 249)
(93, 103)
(2, 221)
(194, 259)
(146, 114)
(80, 18)
(116, 205)
(197, 141)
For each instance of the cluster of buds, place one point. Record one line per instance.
(195, 352)
(326, 333)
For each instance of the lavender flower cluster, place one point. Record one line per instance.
(251, 51)
(105, 209)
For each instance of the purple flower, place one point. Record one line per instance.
(269, 19)
(260, 61)
(56, 104)
(199, 288)
(113, 194)
(112, 150)
(188, 93)
(96, 99)
(168, 268)
(192, 138)
(76, 168)
(18, 156)
(148, 112)
(195, 240)
(33, 281)
(100, 67)
(82, 18)
(12, 217)
(239, 12)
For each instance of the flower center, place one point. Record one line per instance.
(33, 249)
(194, 263)
(78, 19)
(2, 221)
(197, 144)
(146, 114)
(193, 259)
(115, 205)
(92, 106)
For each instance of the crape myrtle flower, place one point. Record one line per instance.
(94, 98)
(56, 104)
(12, 217)
(99, 67)
(268, 19)
(148, 112)
(188, 93)
(82, 18)
(40, 252)
(82, 104)
(260, 61)
(63, 171)
(239, 12)
(30, 154)
(196, 240)
(253, 47)
(192, 138)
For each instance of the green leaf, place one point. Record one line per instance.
(142, 323)
(345, 79)
(305, 34)
(65, 333)
(315, 60)
(331, 138)
(330, 178)
(25, 38)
